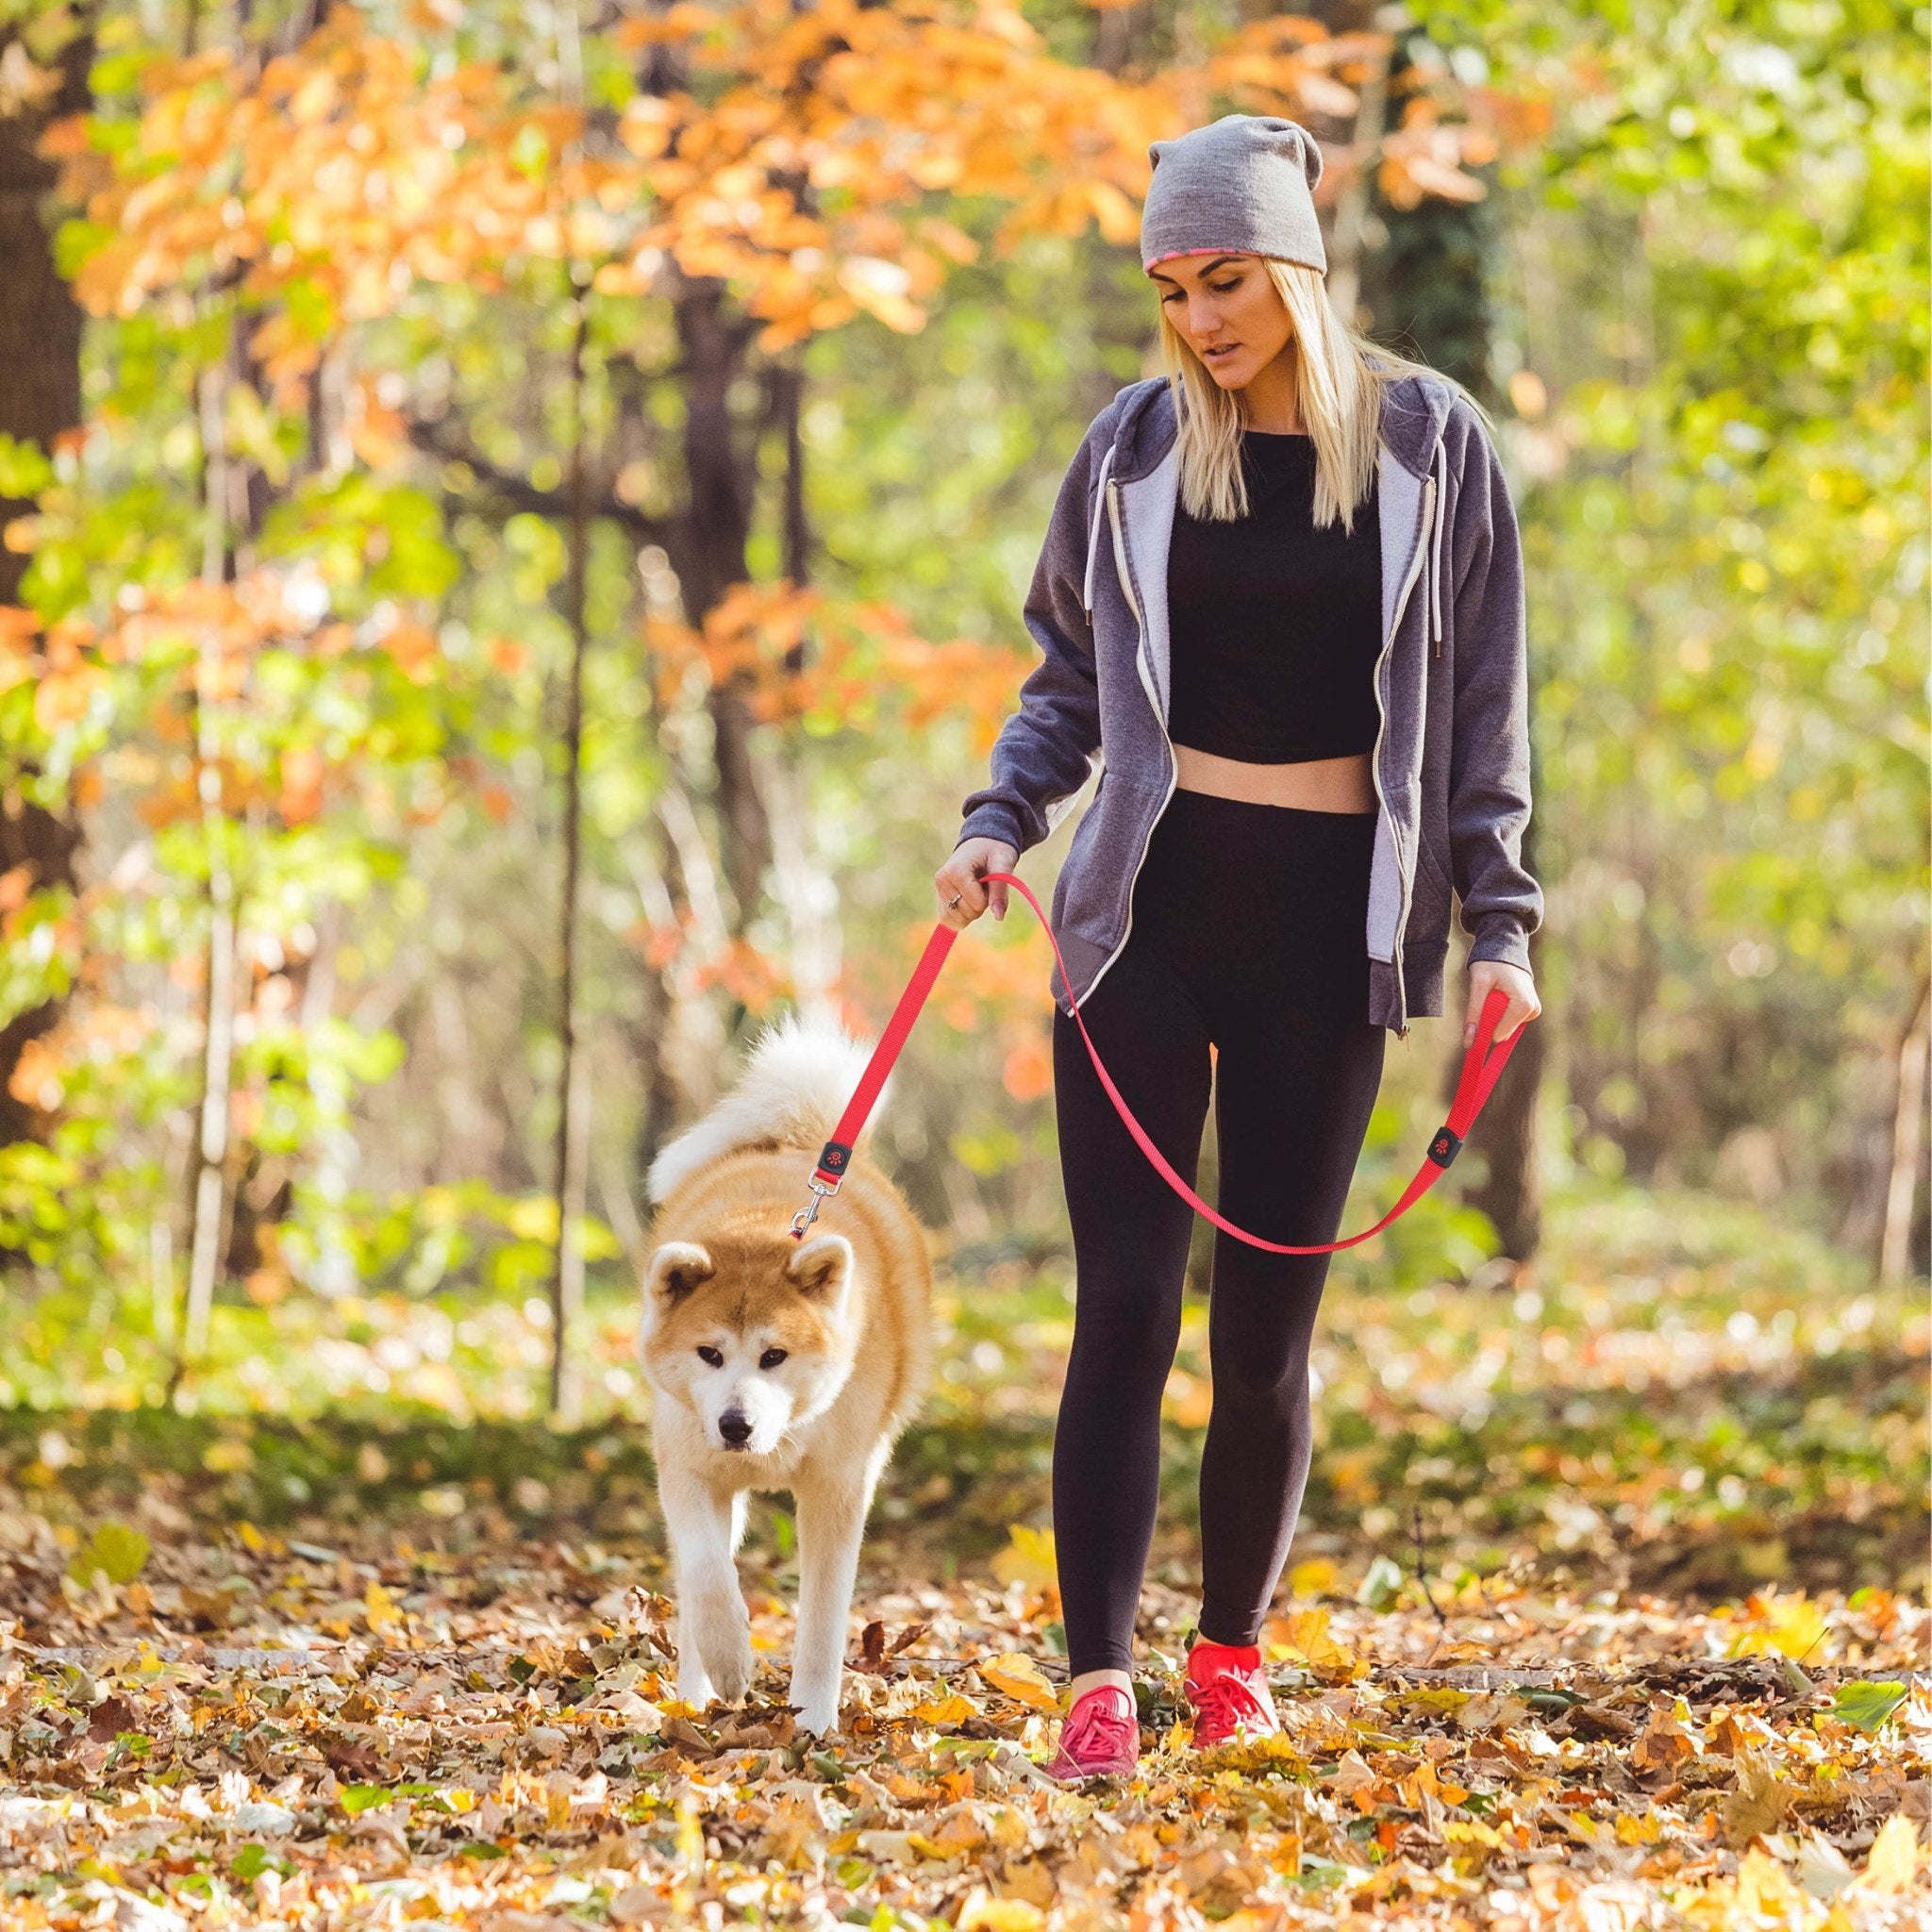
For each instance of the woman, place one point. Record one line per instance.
(1281, 597)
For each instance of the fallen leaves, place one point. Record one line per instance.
(1020, 1678)
(334, 1718)
(499, 1746)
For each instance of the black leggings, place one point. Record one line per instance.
(1248, 935)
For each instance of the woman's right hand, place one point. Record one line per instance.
(962, 876)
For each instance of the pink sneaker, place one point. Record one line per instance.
(1099, 1737)
(1230, 1693)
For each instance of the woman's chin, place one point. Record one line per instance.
(1229, 376)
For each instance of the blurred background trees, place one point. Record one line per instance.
(509, 585)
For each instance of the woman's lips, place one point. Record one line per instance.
(1222, 349)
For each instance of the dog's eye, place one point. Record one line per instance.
(771, 1359)
(711, 1356)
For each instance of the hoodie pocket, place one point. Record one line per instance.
(1089, 896)
(1429, 914)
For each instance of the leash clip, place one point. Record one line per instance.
(834, 1158)
(810, 1212)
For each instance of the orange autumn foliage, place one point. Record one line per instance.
(802, 166)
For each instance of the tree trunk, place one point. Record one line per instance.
(718, 525)
(806, 889)
(40, 399)
(208, 1199)
(1907, 1145)
(567, 1279)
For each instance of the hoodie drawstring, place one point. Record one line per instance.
(1093, 531)
(1438, 468)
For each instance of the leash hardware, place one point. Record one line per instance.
(1445, 1147)
(834, 1158)
(810, 1212)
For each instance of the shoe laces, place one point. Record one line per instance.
(1098, 1726)
(1227, 1700)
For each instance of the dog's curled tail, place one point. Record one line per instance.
(795, 1082)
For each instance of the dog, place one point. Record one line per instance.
(775, 1362)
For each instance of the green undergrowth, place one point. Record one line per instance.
(1677, 1394)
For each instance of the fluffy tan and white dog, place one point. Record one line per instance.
(776, 1363)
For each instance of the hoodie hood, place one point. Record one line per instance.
(1414, 410)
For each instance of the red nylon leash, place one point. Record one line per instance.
(1481, 1068)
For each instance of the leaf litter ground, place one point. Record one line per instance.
(1607, 1614)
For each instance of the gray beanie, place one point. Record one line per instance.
(1244, 185)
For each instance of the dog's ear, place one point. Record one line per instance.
(675, 1271)
(822, 1269)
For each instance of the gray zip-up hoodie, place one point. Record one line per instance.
(1451, 764)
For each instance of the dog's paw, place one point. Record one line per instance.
(820, 1717)
(730, 1662)
(817, 1703)
(694, 1681)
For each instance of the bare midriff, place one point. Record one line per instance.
(1311, 785)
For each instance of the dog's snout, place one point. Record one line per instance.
(734, 1427)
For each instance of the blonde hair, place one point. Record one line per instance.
(1340, 376)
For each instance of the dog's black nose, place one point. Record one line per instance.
(735, 1428)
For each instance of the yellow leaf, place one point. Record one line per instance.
(1305, 1634)
(1028, 1559)
(950, 1710)
(1019, 1677)
(982, 1912)
(1792, 1624)
(1894, 1857)
(1316, 1577)
(1764, 1888)
(1638, 1828)
(380, 1606)
(532, 1220)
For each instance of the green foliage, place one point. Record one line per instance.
(116, 1551)
(25, 469)
(1867, 1705)
(1381, 1583)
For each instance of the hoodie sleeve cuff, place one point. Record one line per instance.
(1504, 940)
(991, 821)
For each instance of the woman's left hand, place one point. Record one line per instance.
(1514, 980)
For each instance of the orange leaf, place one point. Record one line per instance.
(1020, 1678)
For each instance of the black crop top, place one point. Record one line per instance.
(1275, 625)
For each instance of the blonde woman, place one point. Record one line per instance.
(1280, 599)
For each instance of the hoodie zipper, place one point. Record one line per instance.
(1422, 550)
(1120, 559)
